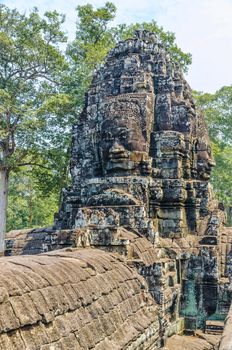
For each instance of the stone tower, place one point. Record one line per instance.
(141, 157)
(141, 162)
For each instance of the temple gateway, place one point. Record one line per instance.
(139, 257)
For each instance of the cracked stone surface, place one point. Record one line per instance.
(73, 300)
(199, 342)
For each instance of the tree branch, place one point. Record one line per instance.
(34, 164)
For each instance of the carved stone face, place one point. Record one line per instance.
(205, 161)
(122, 143)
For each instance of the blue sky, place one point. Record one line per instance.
(202, 27)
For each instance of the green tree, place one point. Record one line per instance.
(27, 205)
(30, 62)
(217, 109)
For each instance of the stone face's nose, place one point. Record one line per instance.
(117, 151)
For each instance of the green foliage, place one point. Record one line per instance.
(30, 63)
(28, 206)
(95, 36)
(218, 112)
(33, 132)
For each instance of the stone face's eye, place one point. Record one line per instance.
(123, 135)
(107, 136)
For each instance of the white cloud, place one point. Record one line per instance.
(202, 27)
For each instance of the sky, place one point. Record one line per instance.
(202, 27)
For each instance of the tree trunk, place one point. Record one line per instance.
(30, 201)
(4, 177)
(229, 216)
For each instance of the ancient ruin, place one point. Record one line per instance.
(146, 254)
